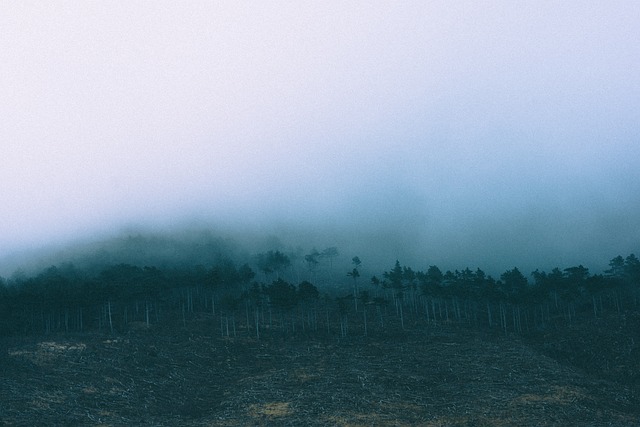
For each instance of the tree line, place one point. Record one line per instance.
(267, 296)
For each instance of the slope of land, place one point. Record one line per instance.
(189, 375)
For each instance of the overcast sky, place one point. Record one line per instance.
(460, 133)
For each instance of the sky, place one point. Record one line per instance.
(462, 133)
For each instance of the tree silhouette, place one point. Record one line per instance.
(354, 274)
(617, 269)
(513, 284)
(330, 253)
(632, 269)
(307, 291)
(312, 262)
(395, 279)
(282, 295)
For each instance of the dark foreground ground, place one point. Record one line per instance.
(435, 376)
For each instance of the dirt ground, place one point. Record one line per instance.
(436, 376)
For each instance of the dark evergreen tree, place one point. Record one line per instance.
(632, 269)
(514, 284)
(282, 295)
(273, 262)
(307, 291)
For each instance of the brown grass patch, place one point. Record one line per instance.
(271, 410)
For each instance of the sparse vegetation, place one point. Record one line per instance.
(226, 345)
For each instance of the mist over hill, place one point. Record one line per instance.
(188, 247)
(425, 132)
(205, 245)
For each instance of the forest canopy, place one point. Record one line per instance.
(301, 291)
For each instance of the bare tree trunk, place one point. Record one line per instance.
(246, 309)
(233, 321)
(146, 312)
(379, 310)
(364, 309)
(328, 324)
(257, 324)
(184, 319)
(446, 310)
(110, 320)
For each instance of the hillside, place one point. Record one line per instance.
(257, 344)
(437, 375)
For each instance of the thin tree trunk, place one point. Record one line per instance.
(146, 313)
(246, 309)
(257, 324)
(365, 320)
(110, 320)
(233, 321)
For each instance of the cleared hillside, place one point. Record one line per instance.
(189, 375)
